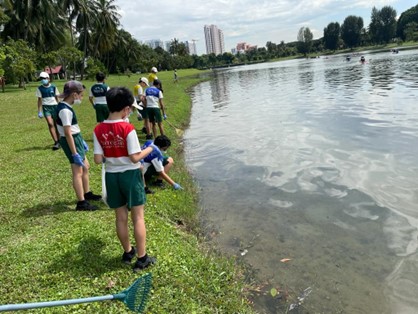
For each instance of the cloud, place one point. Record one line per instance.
(255, 22)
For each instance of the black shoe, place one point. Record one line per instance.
(144, 130)
(142, 265)
(85, 206)
(159, 183)
(148, 191)
(127, 257)
(56, 146)
(148, 137)
(89, 196)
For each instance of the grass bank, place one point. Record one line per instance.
(50, 252)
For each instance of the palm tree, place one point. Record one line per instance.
(106, 26)
(85, 21)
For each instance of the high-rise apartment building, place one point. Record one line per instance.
(191, 46)
(214, 38)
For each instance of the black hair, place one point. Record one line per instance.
(118, 98)
(162, 141)
(158, 82)
(100, 76)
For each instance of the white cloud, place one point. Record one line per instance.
(255, 22)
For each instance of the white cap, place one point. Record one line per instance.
(144, 80)
(154, 69)
(44, 75)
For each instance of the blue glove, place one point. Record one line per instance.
(86, 147)
(40, 115)
(177, 186)
(77, 160)
(165, 116)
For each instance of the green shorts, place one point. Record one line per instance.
(143, 113)
(50, 110)
(102, 112)
(78, 141)
(151, 170)
(125, 188)
(154, 115)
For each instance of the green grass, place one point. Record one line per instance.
(48, 251)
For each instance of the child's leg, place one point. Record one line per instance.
(160, 126)
(147, 126)
(78, 174)
(122, 229)
(86, 176)
(51, 127)
(140, 233)
(154, 129)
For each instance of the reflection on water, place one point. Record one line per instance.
(315, 161)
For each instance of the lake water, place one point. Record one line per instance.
(315, 161)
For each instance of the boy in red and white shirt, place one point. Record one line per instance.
(116, 142)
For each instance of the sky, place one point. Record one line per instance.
(253, 22)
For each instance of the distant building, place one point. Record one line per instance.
(243, 47)
(191, 46)
(214, 38)
(154, 43)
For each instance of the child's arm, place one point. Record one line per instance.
(98, 156)
(167, 178)
(141, 155)
(40, 114)
(162, 106)
(98, 159)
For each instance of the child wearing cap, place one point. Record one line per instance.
(139, 97)
(152, 76)
(47, 105)
(74, 146)
(97, 97)
(116, 141)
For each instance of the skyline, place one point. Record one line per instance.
(243, 20)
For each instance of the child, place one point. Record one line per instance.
(117, 142)
(153, 75)
(158, 165)
(139, 97)
(47, 106)
(74, 146)
(98, 93)
(154, 106)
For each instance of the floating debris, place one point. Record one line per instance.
(301, 298)
(284, 260)
(245, 251)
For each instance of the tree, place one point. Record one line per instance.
(351, 30)
(69, 55)
(304, 40)
(105, 28)
(39, 22)
(4, 5)
(332, 36)
(382, 27)
(85, 21)
(410, 15)
(19, 63)
(411, 31)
